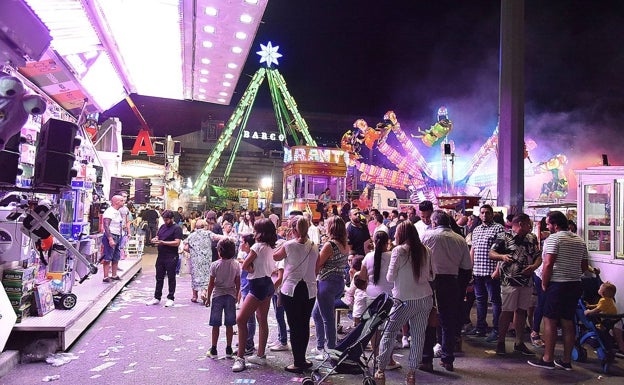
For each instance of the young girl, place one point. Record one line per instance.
(259, 264)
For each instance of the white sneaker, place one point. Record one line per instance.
(315, 351)
(255, 359)
(405, 342)
(437, 351)
(153, 301)
(239, 364)
(169, 303)
(279, 347)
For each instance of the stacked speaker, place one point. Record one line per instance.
(119, 185)
(54, 163)
(142, 190)
(9, 161)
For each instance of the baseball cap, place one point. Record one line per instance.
(167, 214)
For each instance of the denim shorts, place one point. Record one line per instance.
(261, 288)
(111, 254)
(223, 305)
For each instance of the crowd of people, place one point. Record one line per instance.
(241, 263)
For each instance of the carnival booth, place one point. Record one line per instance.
(308, 172)
(600, 198)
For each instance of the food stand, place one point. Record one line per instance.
(308, 171)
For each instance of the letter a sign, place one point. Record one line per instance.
(143, 143)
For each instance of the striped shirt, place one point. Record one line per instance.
(570, 250)
(483, 236)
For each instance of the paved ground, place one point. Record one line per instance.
(131, 343)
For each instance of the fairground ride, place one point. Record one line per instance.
(289, 121)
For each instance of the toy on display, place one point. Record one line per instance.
(15, 106)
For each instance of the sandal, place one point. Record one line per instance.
(410, 379)
(380, 378)
(537, 341)
(194, 299)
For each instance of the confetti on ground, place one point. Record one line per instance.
(125, 316)
(148, 318)
(244, 381)
(103, 366)
(128, 371)
(95, 376)
(165, 337)
(132, 364)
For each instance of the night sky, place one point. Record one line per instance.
(362, 58)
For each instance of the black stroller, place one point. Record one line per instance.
(594, 330)
(349, 356)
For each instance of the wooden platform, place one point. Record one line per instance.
(93, 297)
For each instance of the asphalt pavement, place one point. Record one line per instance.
(131, 343)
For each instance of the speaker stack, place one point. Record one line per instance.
(142, 187)
(55, 154)
(119, 185)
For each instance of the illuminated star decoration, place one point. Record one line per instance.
(268, 54)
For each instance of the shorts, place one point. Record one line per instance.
(223, 305)
(516, 297)
(261, 288)
(561, 299)
(111, 254)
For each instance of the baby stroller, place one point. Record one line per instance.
(594, 330)
(349, 356)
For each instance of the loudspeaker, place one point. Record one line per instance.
(118, 185)
(447, 149)
(54, 169)
(141, 196)
(9, 159)
(58, 135)
(605, 160)
(142, 184)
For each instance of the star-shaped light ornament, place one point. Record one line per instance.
(268, 54)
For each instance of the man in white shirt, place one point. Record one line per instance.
(313, 232)
(113, 223)
(426, 209)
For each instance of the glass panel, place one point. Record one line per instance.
(598, 217)
(619, 219)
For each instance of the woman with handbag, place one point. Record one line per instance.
(298, 290)
(410, 270)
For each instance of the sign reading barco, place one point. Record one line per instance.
(263, 135)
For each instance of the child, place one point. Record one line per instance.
(606, 305)
(259, 264)
(223, 290)
(246, 242)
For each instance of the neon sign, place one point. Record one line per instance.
(316, 154)
(263, 135)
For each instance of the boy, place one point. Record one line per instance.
(223, 290)
(606, 305)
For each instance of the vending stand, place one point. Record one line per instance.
(308, 171)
